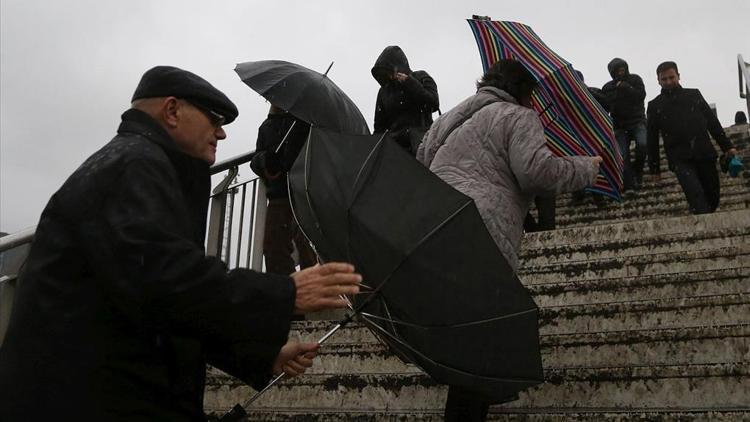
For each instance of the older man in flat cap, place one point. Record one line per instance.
(118, 309)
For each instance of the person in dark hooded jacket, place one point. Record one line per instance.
(406, 99)
(118, 309)
(684, 120)
(625, 94)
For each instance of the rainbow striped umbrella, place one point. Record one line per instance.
(574, 122)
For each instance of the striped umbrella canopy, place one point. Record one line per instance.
(574, 122)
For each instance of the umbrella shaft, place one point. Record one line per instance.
(278, 148)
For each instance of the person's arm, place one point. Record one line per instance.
(652, 139)
(142, 248)
(539, 171)
(420, 86)
(714, 127)
(633, 89)
(266, 163)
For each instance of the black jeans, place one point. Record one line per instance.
(545, 206)
(700, 182)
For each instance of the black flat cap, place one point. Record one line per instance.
(166, 81)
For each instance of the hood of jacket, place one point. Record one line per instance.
(391, 60)
(615, 64)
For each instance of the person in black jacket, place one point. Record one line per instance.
(684, 119)
(625, 94)
(406, 99)
(272, 166)
(118, 309)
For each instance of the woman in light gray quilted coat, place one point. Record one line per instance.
(491, 147)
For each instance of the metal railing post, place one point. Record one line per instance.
(261, 206)
(743, 68)
(217, 213)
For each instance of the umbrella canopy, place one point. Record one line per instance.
(305, 93)
(574, 122)
(442, 295)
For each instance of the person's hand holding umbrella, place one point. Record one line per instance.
(294, 358)
(321, 287)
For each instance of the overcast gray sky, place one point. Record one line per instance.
(68, 68)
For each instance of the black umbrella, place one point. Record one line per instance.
(443, 296)
(305, 93)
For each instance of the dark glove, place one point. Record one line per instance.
(265, 161)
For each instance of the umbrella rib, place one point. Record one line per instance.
(307, 196)
(420, 354)
(460, 325)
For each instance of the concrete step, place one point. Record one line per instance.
(552, 415)
(639, 265)
(672, 386)
(714, 343)
(723, 309)
(677, 207)
(647, 244)
(646, 197)
(590, 237)
(690, 345)
(660, 286)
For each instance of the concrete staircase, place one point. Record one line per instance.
(645, 314)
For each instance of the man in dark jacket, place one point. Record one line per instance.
(406, 99)
(684, 120)
(272, 166)
(118, 309)
(625, 94)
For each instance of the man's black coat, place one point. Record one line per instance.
(684, 120)
(118, 309)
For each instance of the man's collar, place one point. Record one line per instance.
(140, 123)
(670, 91)
(137, 121)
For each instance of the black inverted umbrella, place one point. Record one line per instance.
(305, 93)
(443, 296)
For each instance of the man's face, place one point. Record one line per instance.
(669, 79)
(198, 132)
(620, 72)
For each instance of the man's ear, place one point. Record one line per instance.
(171, 110)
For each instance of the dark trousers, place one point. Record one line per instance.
(632, 172)
(281, 231)
(700, 182)
(545, 207)
(465, 406)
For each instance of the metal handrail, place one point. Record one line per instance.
(18, 238)
(743, 73)
(743, 70)
(232, 162)
(27, 235)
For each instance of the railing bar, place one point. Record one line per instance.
(241, 228)
(252, 222)
(230, 219)
(234, 186)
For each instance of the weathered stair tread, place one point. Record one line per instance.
(499, 414)
(646, 386)
(655, 286)
(640, 265)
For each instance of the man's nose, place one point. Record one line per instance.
(220, 134)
